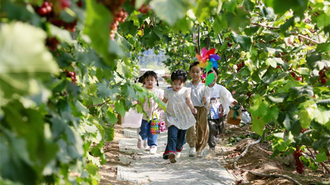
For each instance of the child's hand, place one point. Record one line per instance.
(204, 100)
(194, 111)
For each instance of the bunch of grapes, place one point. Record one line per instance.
(46, 9)
(322, 77)
(119, 17)
(52, 43)
(72, 75)
(239, 66)
(299, 164)
(144, 8)
(50, 9)
(119, 14)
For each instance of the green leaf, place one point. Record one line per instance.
(244, 41)
(184, 25)
(271, 62)
(258, 125)
(59, 33)
(23, 68)
(15, 157)
(81, 108)
(115, 49)
(322, 20)
(281, 6)
(203, 10)
(321, 157)
(321, 115)
(305, 118)
(103, 91)
(220, 23)
(209, 79)
(287, 122)
(112, 117)
(8, 182)
(98, 19)
(119, 106)
(171, 10)
(272, 114)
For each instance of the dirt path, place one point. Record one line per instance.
(130, 165)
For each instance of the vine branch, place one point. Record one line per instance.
(98, 105)
(299, 35)
(257, 173)
(323, 165)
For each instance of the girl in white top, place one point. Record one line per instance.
(219, 100)
(146, 139)
(178, 115)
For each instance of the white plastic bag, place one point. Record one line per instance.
(246, 117)
(132, 119)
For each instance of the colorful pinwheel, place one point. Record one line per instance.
(208, 59)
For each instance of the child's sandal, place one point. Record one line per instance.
(171, 157)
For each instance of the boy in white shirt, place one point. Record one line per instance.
(219, 99)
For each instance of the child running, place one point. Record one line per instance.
(147, 140)
(178, 115)
(197, 135)
(219, 100)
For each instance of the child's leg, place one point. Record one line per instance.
(202, 129)
(214, 129)
(172, 134)
(222, 124)
(191, 136)
(152, 139)
(144, 130)
(181, 140)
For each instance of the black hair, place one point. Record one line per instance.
(213, 69)
(193, 64)
(179, 74)
(146, 75)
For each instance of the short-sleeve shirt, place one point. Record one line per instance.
(197, 93)
(178, 112)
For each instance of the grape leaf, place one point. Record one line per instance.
(23, 68)
(171, 10)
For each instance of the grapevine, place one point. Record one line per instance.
(299, 164)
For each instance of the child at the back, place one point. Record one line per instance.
(219, 99)
(178, 115)
(197, 135)
(146, 139)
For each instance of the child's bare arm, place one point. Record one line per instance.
(164, 100)
(190, 104)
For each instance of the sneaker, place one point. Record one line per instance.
(139, 143)
(145, 145)
(153, 149)
(178, 155)
(171, 157)
(199, 154)
(192, 152)
(211, 154)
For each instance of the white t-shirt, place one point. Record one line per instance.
(219, 95)
(197, 93)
